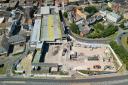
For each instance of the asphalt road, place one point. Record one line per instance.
(102, 79)
(92, 81)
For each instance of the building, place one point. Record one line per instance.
(113, 17)
(17, 44)
(84, 29)
(45, 10)
(104, 12)
(79, 13)
(2, 19)
(38, 63)
(3, 51)
(47, 27)
(35, 35)
(126, 15)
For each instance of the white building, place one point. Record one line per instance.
(110, 15)
(35, 33)
(113, 17)
(45, 10)
(103, 13)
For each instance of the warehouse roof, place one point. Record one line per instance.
(51, 28)
(45, 10)
(36, 31)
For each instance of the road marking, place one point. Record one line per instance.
(14, 82)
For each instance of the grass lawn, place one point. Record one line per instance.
(113, 37)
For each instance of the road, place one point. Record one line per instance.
(100, 41)
(94, 81)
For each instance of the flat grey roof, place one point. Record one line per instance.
(3, 50)
(51, 28)
(16, 39)
(45, 64)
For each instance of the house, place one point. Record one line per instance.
(126, 24)
(126, 15)
(84, 29)
(113, 17)
(103, 12)
(91, 20)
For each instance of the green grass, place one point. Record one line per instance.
(102, 31)
(121, 52)
(3, 69)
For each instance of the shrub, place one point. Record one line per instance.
(91, 10)
(65, 14)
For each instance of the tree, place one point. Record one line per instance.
(74, 28)
(109, 9)
(111, 29)
(65, 14)
(91, 10)
(99, 26)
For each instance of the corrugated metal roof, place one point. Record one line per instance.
(36, 31)
(51, 28)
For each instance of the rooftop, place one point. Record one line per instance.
(45, 10)
(16, 39)
(114, 15)
(50, 28)
(37, 57)
(2, 50)
(36, 31)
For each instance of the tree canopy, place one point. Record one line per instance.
(91, 10)
(65, 14)
(74, 28)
